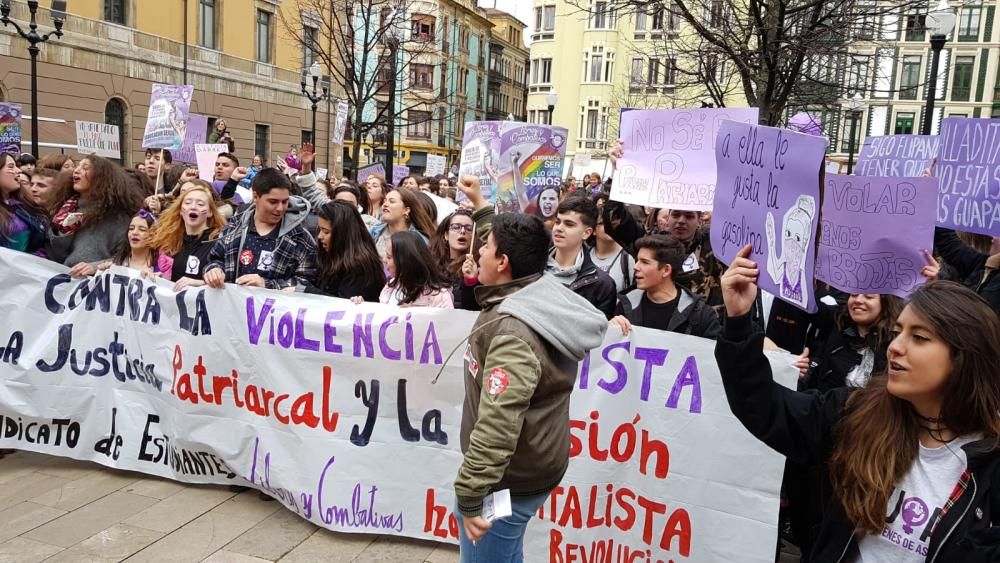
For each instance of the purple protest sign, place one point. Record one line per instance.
(480, 153)
(669, 158)
(968, 167)
(900, 156)
(763, 173)
(10, 129)
(530, 163)
(399, 171)
(166, 121)
(860, 247)
(197, 132)
(364, 173)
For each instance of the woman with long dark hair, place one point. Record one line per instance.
(92, 215)
(23, 225)
(348, 264)
(135, 252)
(414, 281)
(913, 454)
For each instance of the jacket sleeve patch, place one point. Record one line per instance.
(497, 381)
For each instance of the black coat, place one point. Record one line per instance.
(692, 316)
(802, 426)
(975, 269)
(596, 286)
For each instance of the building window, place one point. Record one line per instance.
(593, 116)
(961, 85)
(910, 77)
(904, 124)
(422, 76)
(541, 71)
(916, 26)
(263, 36)
(114, 114)
(206, 23)
(419, 126)
(260, 140)
(305, 136)
(670, 71)
(422, 27)
(114, 11)
(308, 46)
(640, 21)
(653, 72)
(717, 13)
(636, 75)
(601, 17)
(968, 23)
(596, 63)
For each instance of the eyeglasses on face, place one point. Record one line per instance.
(459, 227)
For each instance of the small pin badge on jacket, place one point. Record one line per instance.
(979, 514)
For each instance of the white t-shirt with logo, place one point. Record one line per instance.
(915, 506)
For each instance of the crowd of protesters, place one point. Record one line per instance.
(894, 398)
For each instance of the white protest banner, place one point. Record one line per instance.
(340, 126)
(435, 164)
(317, 400)
(669, 158)
(580, 163)
(101, 139)
(206, 155)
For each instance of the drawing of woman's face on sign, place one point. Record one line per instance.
(795, 239)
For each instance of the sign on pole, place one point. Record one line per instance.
(167, 120)
(102, 139)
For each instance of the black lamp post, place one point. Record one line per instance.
(854, 107)
(314, 97)
(940, 22)
(58, 12)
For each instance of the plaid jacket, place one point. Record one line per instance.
(294, 255)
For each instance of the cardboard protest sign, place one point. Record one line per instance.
(530, 166)
(669, 158)
(480, 152)
(340, 125)
(10, 128)
(968, 167)
(399, 171)
(206, 155)
(167, 120)
(322, 173)
(315, 401)
(766, 176)
(435, 164)
(364, 173)
(901, 156)
(101, 139)
(196, 134)
(861, 249)
(581, 161)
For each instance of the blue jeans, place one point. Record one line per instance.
(504, 542)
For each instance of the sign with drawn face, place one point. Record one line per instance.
(768, 197)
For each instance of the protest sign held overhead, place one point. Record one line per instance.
(480, 152)
(530, 165)
(196, 134)
(315, 400)
(436, 164)
(968, 167)
(340, 126)
(167, 120)
(206, 156)
(860, 247)
(10, 128)
(669, 156)
(101, 139)
(768, 197)
(399, 171)
(364, 173)
(900, 156)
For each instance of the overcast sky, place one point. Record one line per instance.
(520, 8)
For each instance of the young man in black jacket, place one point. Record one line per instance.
(576, 219)
(658, 302)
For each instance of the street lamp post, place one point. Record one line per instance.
(551, 98)
(854, 107)
(940, 22)
(58, 13)
(314, 97)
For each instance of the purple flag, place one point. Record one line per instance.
(860, 247)
(968, 167)
(669, 158)
(766, 176)
(900, 156)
